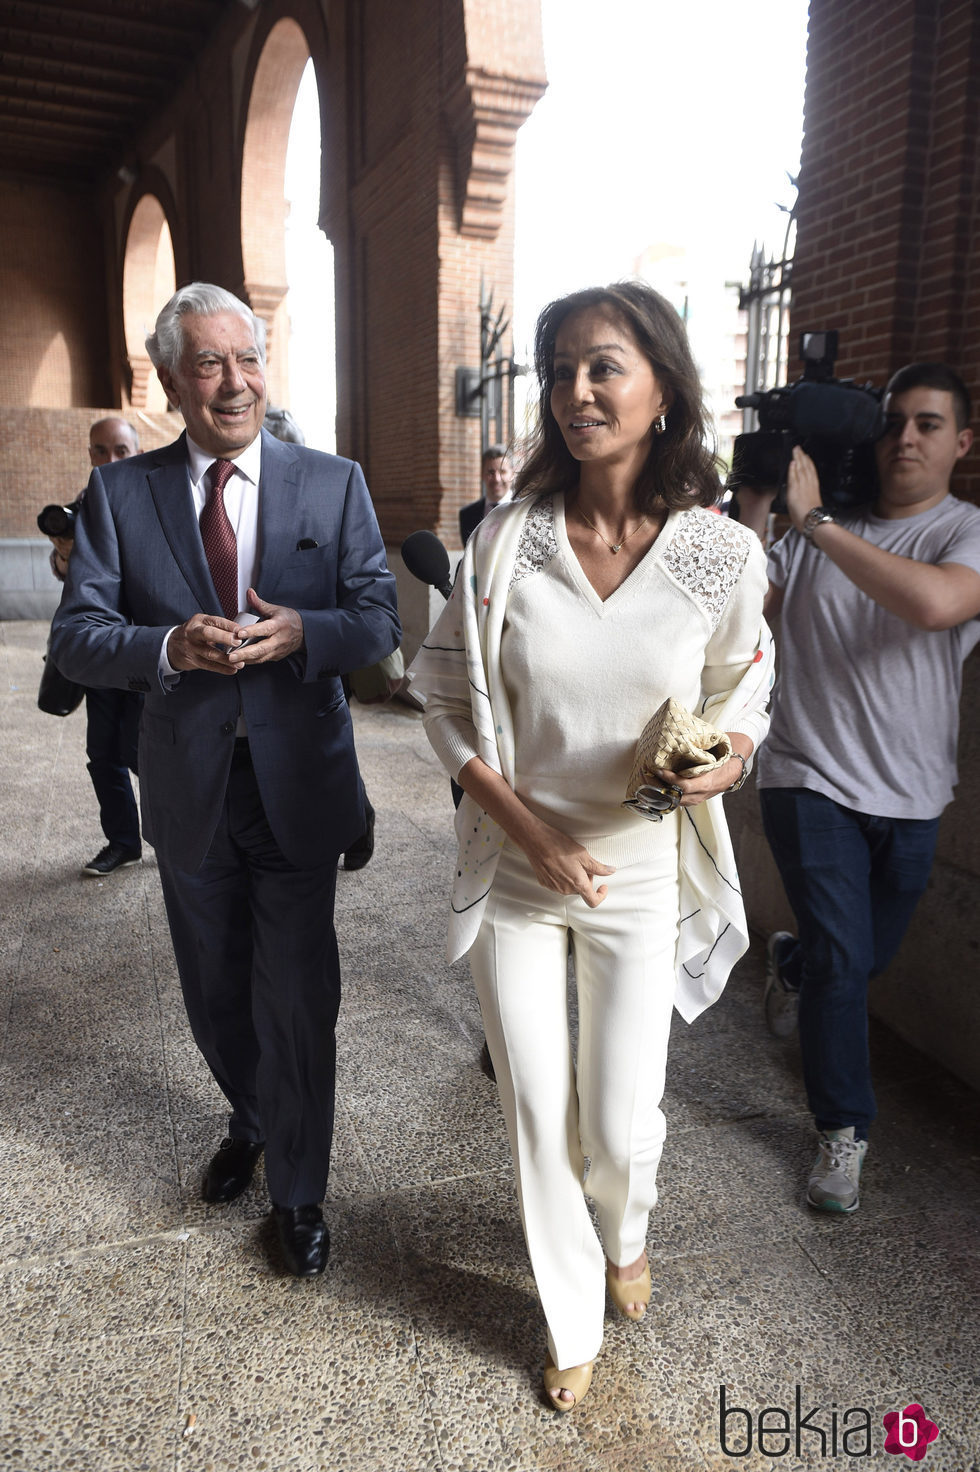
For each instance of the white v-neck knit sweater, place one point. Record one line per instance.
(583, 675)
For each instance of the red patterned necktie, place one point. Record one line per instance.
(218, 537)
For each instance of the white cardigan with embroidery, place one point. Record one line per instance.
(708, 619)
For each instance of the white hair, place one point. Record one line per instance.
(165, 344)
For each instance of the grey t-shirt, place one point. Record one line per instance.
(866, 707)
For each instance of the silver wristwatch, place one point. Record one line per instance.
(816, 516)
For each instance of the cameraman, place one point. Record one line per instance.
(112, 716)
(879, 610)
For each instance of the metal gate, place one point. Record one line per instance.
(766, 302)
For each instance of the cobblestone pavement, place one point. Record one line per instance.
(141, 1329)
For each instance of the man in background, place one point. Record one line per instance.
(112, 716)
(497, 475)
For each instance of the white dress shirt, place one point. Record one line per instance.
(242, 506)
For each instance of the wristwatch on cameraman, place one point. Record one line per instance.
(816, 516)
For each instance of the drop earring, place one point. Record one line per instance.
(660, 424)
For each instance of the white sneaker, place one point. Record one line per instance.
(781, 1002)
(833, 1183)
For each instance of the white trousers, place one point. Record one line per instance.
(608, 1109)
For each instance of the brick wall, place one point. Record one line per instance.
(434, 106)
(53, 342)
(889, 178)
(420, 104)
(44, 458)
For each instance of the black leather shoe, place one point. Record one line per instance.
(362, 848)
(303, 1238)
(231, 1170)
(114, 856)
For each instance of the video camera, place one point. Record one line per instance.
(835, 420)
(59, 521)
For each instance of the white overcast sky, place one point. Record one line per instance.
(665, 122)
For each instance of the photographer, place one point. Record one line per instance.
(880, 608)
(112, 716)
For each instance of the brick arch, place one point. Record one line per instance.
(275, 84)
(149, 278)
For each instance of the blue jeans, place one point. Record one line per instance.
(853, 881)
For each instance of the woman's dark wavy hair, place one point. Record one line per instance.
(681, 469)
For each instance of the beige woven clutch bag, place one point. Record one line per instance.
(676, 741)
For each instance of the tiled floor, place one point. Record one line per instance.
(143, 1330)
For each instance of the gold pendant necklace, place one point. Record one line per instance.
(613, 546)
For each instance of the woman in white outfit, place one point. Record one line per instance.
(601, 590)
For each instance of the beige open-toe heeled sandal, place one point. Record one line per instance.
(624, 1291)
(577, 1380)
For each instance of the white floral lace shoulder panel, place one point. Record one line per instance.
(706, 556)
(538, 543)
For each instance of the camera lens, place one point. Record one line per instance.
(56, 521)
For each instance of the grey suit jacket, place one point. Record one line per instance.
(138, 568)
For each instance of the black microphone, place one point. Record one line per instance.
(427, 559)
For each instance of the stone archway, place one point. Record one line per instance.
(270, 111)
(149, 279)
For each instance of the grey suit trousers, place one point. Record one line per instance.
(257, 955)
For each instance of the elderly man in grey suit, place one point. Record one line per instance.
(234, 579)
